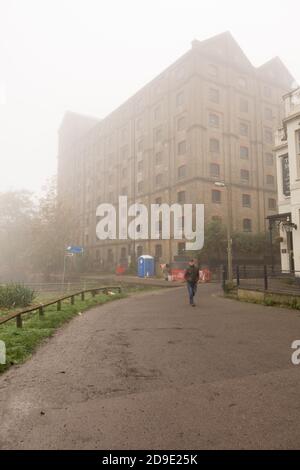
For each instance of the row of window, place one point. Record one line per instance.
(216, 197)
(242, 82)
(246, 224)
(214, 172)
(158, 253)
(214, 120)
(244, 154)
(214, 97)
(244, 174)
(214, 147)
(182, 173)
(158, 250)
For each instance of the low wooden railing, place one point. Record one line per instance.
(41, 307)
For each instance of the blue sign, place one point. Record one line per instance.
(75, 249)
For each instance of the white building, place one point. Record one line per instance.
(287, 151)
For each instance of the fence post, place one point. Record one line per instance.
(58, 305)
(72, 299)
(223, 277)
(41, 312)
(19, 321)
(265, 277)
(238, 275)
(82, 295)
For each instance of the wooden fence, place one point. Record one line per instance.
(41, 307)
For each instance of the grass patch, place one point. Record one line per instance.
(292, 304)
(22, 342)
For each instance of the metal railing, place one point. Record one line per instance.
(265, 278)
(41, 307)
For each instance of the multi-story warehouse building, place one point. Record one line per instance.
(209, 117)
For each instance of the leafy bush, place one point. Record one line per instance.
(293, 302)
(269, 302)
(16, 295)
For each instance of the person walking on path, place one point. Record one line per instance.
(191, 277)
(166, 272)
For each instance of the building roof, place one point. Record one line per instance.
(224, 45)
(81, 122)
(74, 126)
(274, 70)
(224, 48)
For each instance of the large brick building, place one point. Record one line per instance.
(209, 117)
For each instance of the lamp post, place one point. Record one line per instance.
(289, 226)
(229, 238)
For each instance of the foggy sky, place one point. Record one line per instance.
(88, 56)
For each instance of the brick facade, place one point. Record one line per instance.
(209, 117)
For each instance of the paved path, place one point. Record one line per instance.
(151, 372)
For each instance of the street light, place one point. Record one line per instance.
(229, 239)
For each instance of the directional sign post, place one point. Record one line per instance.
(70, 251)
(76, 250)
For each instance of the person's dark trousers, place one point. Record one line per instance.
(192, 288)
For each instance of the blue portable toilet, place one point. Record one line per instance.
(146, 266)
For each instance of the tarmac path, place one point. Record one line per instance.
(151, 372)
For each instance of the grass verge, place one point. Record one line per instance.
(22, 342)
(292, 303)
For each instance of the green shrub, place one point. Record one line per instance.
(293, 302)
(269, 302)
(16, 295)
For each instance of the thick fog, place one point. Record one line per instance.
(89, 56)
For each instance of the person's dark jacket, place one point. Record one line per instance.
(192, 274)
